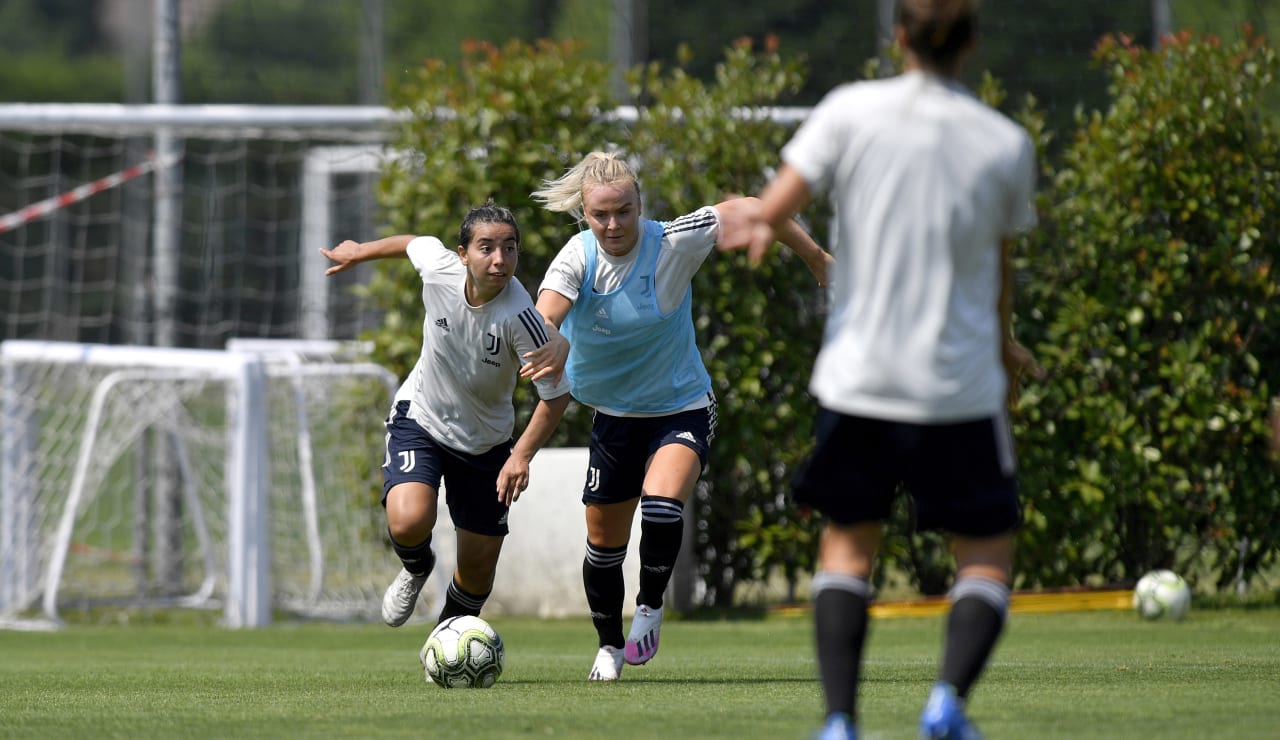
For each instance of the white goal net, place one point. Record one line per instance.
(239, 480)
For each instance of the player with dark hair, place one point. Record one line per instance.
(621, 290)
(918, 360)
(453, 417)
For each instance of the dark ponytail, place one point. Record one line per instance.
(938, 31)
(489, 213)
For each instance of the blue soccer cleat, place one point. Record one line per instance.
(839, 726)
(943, 716)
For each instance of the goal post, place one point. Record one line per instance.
(69, 413)
(325, 406)
(275, 508)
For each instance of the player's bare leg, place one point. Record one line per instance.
(411, 515)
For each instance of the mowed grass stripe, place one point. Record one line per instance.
(1093, 674)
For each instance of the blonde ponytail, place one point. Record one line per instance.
(564, 194)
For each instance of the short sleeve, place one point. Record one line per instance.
(567, 270)
(429, 255)
(1022, 208)
(527, 331)
(810, 150)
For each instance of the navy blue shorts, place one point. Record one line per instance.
(621, 447)
(471, 481)
(960, 475)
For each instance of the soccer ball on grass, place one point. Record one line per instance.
(1162, 594)
(463, 652)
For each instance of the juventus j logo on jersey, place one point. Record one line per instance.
(492, 344)
(407, 460)
(593, 478)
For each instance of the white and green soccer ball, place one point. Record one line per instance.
(1162, 594)
(463, 653)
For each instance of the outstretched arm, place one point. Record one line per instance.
(754, 224)
(514, 477)
(1016, 358)
(350, 253)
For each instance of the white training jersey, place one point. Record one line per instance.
(926, 181)
(685, 244)
(460, 389)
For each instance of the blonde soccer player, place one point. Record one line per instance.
(621, 292)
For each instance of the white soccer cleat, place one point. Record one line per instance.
(608, 665)
(401, 597)
(642, 643)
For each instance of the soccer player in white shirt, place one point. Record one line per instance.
(453, 417)
(621, 291)
(929, 187)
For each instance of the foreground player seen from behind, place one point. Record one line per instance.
(918, 361)
(453, 417)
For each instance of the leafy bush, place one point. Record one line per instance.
(493, 126)
(1151, 300)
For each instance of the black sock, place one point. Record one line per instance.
(661, 532)
(418, 559)
(602, 577)
(974, 623)
(458, 602)
(840, 604)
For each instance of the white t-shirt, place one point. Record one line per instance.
(460, 389)
(925, 181)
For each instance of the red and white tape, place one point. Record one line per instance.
(49, 205)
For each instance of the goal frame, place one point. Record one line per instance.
(248, 598)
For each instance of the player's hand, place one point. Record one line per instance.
(346, 255)
(821, 267)
(1018, 361)
(548, 360)
(760, 239)
(513, 480)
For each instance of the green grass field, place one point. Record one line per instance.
(1099, 674)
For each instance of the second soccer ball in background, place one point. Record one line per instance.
(1162, 594)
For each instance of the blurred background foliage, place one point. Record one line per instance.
(305, 52)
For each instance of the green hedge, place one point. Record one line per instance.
(1151, 298)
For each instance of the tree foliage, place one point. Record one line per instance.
(54, 51)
